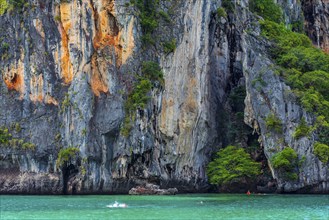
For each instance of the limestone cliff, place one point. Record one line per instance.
(68, 68)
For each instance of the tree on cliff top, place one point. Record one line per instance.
(232, 164)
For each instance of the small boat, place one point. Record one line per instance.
(117, 205)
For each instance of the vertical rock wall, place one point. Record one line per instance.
(316, 14)
(67, 67)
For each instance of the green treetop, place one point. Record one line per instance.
(231, 164)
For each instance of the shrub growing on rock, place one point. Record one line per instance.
(221, 12)
(302, 129)
(267, 9)
(232, 164)
(3, 6)
(5, 136)
(66, 156)
(322, 152)
(306, 70)
(286, 162)
(273, 123)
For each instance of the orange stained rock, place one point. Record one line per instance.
(13, 77)
(37, 91)
(98, 80)
(108, 33)
(50, 100)
(36, 87)
(65, 15)
(64, 28)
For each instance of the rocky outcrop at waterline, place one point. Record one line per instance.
(69, 68)
(150, 189)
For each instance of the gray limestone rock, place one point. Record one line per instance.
(67, 68)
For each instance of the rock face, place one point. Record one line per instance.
(67, 67)
(316, 14)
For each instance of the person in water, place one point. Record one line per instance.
(117, 205)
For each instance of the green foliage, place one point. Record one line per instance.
(304, 59)
(5, 46)
(149, 23)
(18, 127)
(5, 136)
(313, 101)
(57, 18)
(302, 129)
(233, 122)
(306, 69)
(7, 140)
(165, 16)
(3, 6)
(148, 15)
(17, 5)
(58, 137)
(66, 103)
(138, 98)
(297, 26)
(228, 5)
(148, 39)
(322, 152)
(169, 46)
(66, 156)
(127, 124)
(28, 146)
(266, 9)
(323, 134)
(322, 128)
(84, 132)
(152, 71)
(232, 164)
(317, 79)
(284, 39)
(314, 82)
(273, 123)
(236, 98)
(221, 12)
(286, 161)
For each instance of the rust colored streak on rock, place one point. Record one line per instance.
(64, 27)
(14, 78)
(15, 83)
(107, 36)
(98, 81)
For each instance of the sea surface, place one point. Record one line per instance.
(187, 206)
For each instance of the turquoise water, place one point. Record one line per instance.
(190, 206)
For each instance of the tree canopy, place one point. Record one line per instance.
(231, 164)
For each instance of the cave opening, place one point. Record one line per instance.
(69, 172)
